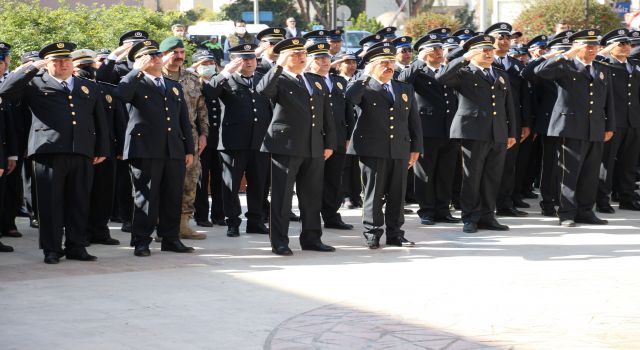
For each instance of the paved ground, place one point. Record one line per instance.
(537, 286)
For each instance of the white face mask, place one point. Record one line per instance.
(241, 30)
(207, 71)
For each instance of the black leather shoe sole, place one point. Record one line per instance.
(108, 241)
(82, 257)
(141, 251)
(183, 249)
(493, 227)
(320, 247)
(447, 219)
(284, 251)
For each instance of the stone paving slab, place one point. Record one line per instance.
(538, 286)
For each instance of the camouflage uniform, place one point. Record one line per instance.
(198, 117)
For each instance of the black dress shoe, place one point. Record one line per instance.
(492, 225)
(400, 242)
(529, 194)
(427, 220)
(593, 220)
(513, 212)
(206, 223)
(318, 247)
(373, 238)
(282, 250)
(408, 211)
(630, 205)
(470, 227)
(107, 241)
(519, 203)
(605, 208)
(219, 222)
(175, 246)
(12, 233)
(293, 217)
(233, 231)
(258, 228)
(126, 226)
(52, 257)
(450, 219)
(80, 254)
(142, 250)
(5, 248)
(34, 223)
(338, 224)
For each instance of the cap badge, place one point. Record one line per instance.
(320, 33)
(388, 29)
(591, 32)
(403, 39)
(503, 26)
(295, 42)
(321, 46)
(247, 47)
(147, 43)
(138, 34)
(60, 45)
(276, 30)
(432, 36)
(621, 31)
(386, 50)
(565, 40)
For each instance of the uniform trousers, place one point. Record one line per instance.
(63, 187)
(332, 189)
(434, 176)
(29, 189)
(619, 158)
(102, 195)
(578, 169)
(508, 180)
(13, 198)
(157, 198)
(351, 178)
(210, 179)
(482, 163)
(549, 185)
(306, 174)
(525, 158)
(253, 165)
(384, 181)
(124, 192)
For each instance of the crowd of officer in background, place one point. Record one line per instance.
(450, 120)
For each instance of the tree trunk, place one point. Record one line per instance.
(321, 18)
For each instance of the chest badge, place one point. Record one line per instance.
(108, 98)
(339, 85)
(405, 97)
(85, 89)
(601, 76)
(501, 80)
(175, 91)
(318, 85)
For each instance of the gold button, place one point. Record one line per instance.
(629, 85)
(591, 93)
(492, 88)
(313, 117)
(311, 99)
(73, 122)
(168, 129)
(391, 109)
(445, 94)
(168, 118)
(164, 98)
(447, 111)
(590, 111)
(314, 124)
(391, 127)
(390, 118)
(70, 97)
(166, 108)
(139, 134)
(71, 104)
(495, 113)
(73, 113)
(629, 94)
(493, 96)
(253, 100)
(590, 102)
(390, 136)
(591, 84)
(493, 104)
(148, 97)
(255, 119)
(255, 110)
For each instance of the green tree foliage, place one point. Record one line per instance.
(418, 26)
(28, 26)
(542, 15)
(282, 9)
(362, 22)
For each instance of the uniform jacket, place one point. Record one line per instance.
(214, 110)
(437, 103)
(384, 130)
(247, 114)
(543, 97)
(8, 139)
(485, 109)
(626, 93)
(584, 107)
(117, 116)
(158, 124)
(72, 123)
(520, 92)
(342, 110)
(302, 124)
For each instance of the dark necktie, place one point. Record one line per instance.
(248, 81)
(159, 85)
(301, 81)
(588, 68)
(487, 73)
(66, 87)
(387, 93)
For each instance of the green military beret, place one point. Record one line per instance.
(171, 43)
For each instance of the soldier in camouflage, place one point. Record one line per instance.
(174, 58)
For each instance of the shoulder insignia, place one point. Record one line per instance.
(176, 91)
(108, 98)
(318, 85)
(405, 97)
(85, 89)
(339, 85)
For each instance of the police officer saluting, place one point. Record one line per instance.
(158, 144)
(300, 137)
(485, 126)
(583, 117)
(246, 117)
(68, 136)
(620, 155)
(387, 138)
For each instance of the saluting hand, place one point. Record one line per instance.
(510, 142)
(262, 47)
(607, 50)
(368, 68)
(282, 59)
(142, 63)
(608, 135)
(472, 53)
(122, 51)
(422, 55)
(188, 160)
(574, 51)
(233, 66)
